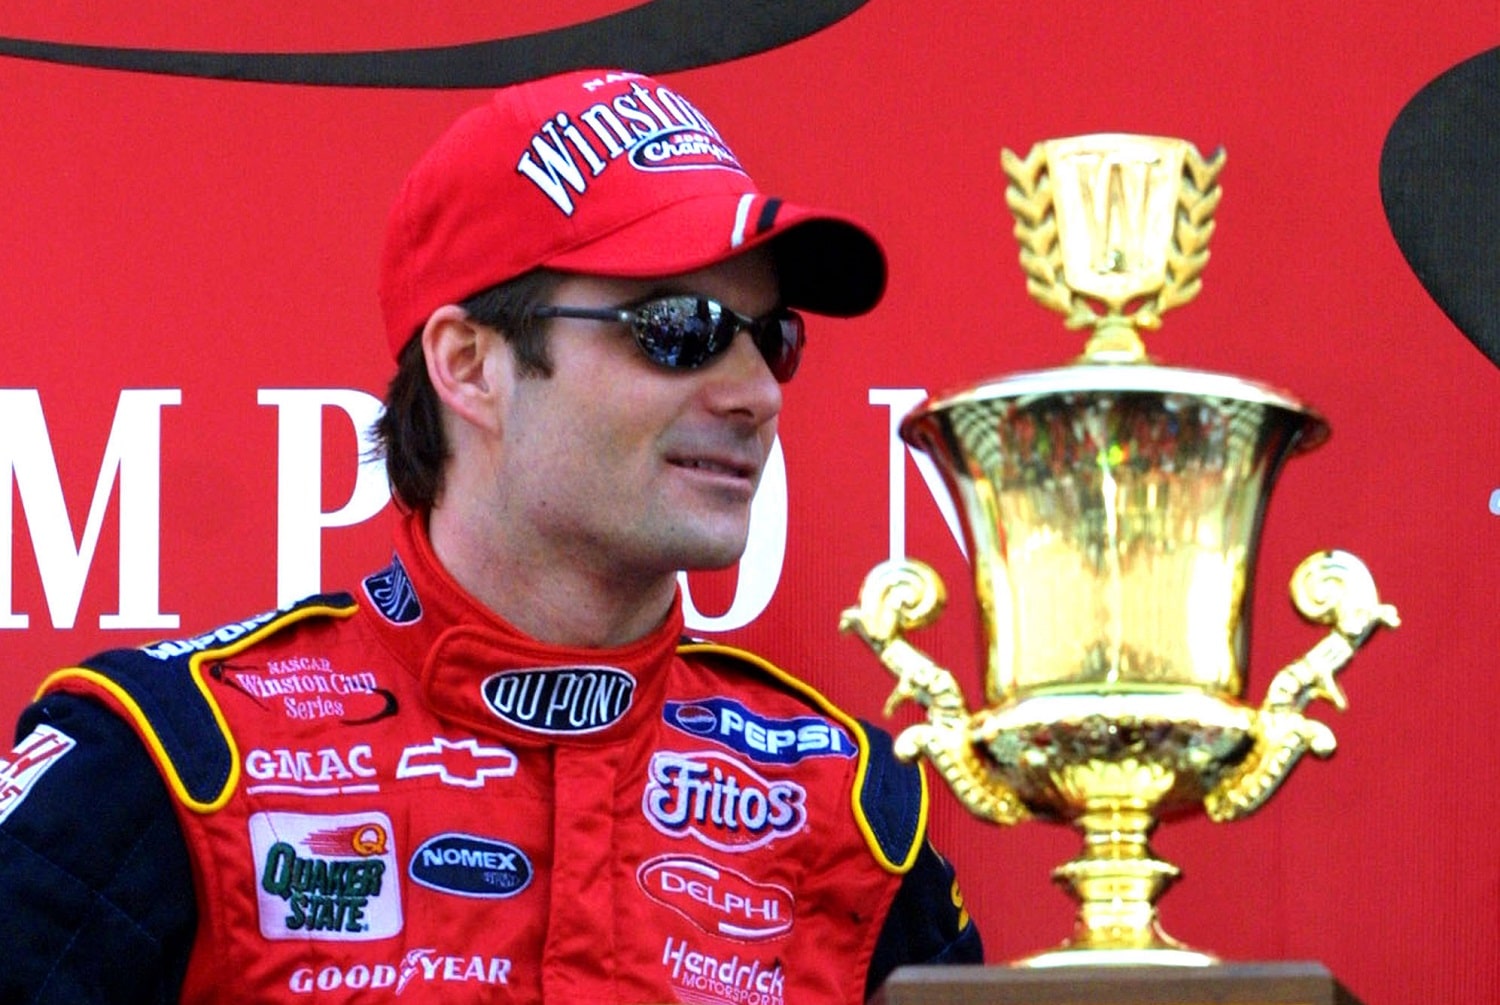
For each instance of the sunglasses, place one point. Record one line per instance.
(685, 332)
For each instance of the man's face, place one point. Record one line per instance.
(630, 468)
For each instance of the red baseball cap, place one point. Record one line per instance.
(604, 173)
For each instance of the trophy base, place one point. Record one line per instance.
(1068, 957)
(1157, 949)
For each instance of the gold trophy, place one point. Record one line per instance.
(1112, 512)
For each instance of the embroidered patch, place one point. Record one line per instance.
(717, 899)
(720, 801)
(761, 738)
(41, 749)
(560, 700)
(326, 877)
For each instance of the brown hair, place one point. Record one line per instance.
(409, 433)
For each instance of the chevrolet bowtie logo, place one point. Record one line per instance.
(465, 763)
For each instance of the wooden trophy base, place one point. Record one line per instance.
(1221, 984)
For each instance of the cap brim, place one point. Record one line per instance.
(826, 263)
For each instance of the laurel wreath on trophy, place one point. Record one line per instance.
(1029, 197)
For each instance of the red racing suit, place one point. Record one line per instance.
(400, 797)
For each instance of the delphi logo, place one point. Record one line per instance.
(717, 899)
(560, 700)
(326, 877)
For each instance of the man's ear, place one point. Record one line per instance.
(469, 365)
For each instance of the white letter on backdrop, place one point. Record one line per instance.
(760, 567)
(132, 456)
(299, 480)
(901, 400)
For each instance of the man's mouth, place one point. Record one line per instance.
(718, 466)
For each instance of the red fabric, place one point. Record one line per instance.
(581, 912)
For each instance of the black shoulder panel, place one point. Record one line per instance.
(893, 798)
(889, 798)
(159, 688)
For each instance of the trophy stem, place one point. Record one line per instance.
(1116, 881)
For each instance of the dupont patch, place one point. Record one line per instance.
(328, 878)
(720, 801)
(471, 866)
(28, 762)
(560, 700)
(763, 739)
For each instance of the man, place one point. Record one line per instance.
(498, 772)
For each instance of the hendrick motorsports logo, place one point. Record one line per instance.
(326, 877)
(711, 977)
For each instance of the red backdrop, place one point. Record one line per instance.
(176, 254)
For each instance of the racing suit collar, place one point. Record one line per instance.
(483, 672)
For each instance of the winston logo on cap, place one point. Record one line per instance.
(656, 126)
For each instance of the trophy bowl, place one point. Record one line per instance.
(1112, 511)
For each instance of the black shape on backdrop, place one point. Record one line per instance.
(659, 36)
(1440, 185)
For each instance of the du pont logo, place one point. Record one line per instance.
(325, 877)
(717, 899)
(560, 700)
(720, 801)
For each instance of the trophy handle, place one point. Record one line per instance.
(897, 597)
(1332, 588)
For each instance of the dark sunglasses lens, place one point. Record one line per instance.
(683, 332)
(780, 339)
